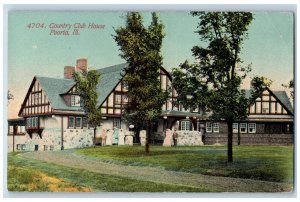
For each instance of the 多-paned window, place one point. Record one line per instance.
(78, 122)
(71, 122)
(243, 127)
(252, 127)
(235, 128)
(208, 127)
(32, 122)
(117, 123)
(185, 125)
(118, 99)
(75, 101)
(216, 127)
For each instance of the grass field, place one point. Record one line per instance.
(268, 163)
(265, 163)
(36, 176)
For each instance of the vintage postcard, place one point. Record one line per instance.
(186, 101)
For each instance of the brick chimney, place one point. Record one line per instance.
(81, 65)
(68, 72)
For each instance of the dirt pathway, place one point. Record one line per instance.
(157, 174)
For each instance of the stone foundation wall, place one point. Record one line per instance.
(19, 139)
(189, 138)
(250, 139)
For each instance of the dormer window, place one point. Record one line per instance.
(75, 101)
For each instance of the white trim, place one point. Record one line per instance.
(216, 127)
(235, 128)
(243, 125)
(208, 127)
(252, 126)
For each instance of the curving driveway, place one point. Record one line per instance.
(157, 174)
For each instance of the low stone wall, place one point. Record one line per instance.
(250, 139)
(189, 138)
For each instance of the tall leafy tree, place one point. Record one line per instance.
(140, 46)
(218, 72)
(86, 87)
(258, 85)
(290, 86)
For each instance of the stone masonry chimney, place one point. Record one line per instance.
(81, 65)
(68, 72)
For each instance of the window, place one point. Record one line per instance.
(84, 122)
(75, 101)
(216, 127)
(45, 147)
(208, 127)
(252, 127)
(78, 122)
(18, 147)
(22, 129)
(51, 147)
(32, 122)
(243, 128)
(71, 123)
(117, 123)
(11, 129)
(235, 127)
(23, 146)
(118, 99)
(185, 125)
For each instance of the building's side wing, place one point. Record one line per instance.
(35, 102)
(268, 103)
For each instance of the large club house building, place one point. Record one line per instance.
(55, 119)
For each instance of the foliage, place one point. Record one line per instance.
(10, 96)
(86, 87)
(140, 47)
(290, 87)
(218, 73)
(258, 85)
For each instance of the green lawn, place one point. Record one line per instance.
(269, 163)
(37, 176)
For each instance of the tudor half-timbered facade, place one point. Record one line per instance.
(270, 121)
(55, 118)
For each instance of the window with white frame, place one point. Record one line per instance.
(208, 127)
(235, 127)
(75, 101)
(243, 127)
(117, 123)
(216, 127)
(185, 125)
(252, 127)
(11, 129)
(18, 146)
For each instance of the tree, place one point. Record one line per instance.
(86, 87)
(216, 72)
(258, 85)
(10, 96)
(290, 87)
(140, 47)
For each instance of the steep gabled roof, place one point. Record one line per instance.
(53, 87)
(280, 95)
(110, 77)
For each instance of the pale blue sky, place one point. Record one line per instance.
(34, 52)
